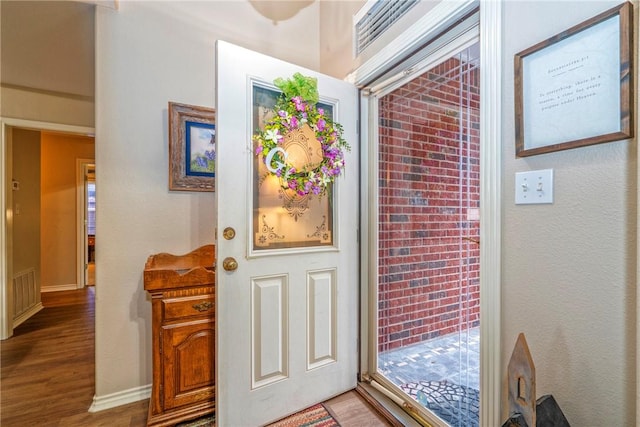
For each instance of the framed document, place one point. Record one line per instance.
(576, 88)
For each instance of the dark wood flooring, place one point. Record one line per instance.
(48, 373)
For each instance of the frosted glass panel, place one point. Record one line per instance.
(282, 219)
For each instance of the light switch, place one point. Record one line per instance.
(534, 187)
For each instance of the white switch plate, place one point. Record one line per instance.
(533, 187)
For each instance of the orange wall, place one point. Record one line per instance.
(58, 239)
(26, 201)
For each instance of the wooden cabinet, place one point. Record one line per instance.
(182, 290)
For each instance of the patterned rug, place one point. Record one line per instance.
(458, 405)
(315, 416)
(208, 421)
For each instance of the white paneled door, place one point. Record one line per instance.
(287, 315)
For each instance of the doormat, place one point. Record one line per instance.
(315, 416)
(206, 421)
(456, 404)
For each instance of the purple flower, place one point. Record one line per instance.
(210, 154)
(298, 103)
(259, 149)
(331, 153)
(321, 111)
(321, 125)
(202, 162)
(294, 123)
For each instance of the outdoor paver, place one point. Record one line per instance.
(448, 363)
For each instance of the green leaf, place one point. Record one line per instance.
(299, 85)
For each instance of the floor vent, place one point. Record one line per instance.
(25, 295)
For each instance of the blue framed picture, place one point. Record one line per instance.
(192, 148)
(200, 149)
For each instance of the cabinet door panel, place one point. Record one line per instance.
(189, 362)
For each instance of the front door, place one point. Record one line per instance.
(287, 314)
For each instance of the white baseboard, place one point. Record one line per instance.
(27, 314)
(100, 403)
(56, 288)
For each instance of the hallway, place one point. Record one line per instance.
(48, 368)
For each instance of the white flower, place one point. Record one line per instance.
(272, 135)
(325, 180)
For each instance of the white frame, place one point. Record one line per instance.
(438, 19)
(82, 255)
(6, 270)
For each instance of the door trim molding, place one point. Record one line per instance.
(82, 166)
(490, 210)
(6, 123)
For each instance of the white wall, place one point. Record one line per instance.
(150, 53)
(336, 37)
(569, 269)
(47, 67)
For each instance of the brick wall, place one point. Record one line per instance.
(429, 198)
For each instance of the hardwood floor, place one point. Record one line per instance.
(47, 373)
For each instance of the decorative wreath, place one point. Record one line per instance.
(294, 109)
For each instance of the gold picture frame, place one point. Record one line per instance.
(192, 148)
(576, 88)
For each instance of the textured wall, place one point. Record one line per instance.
(569, 269)
(141, 66)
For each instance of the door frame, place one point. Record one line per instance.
(6, 199)
(82, 168)
(441, 17)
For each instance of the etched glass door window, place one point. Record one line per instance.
(283, 219)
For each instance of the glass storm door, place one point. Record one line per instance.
(287, 314)
(428, 260)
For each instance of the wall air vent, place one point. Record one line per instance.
(376, 17)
